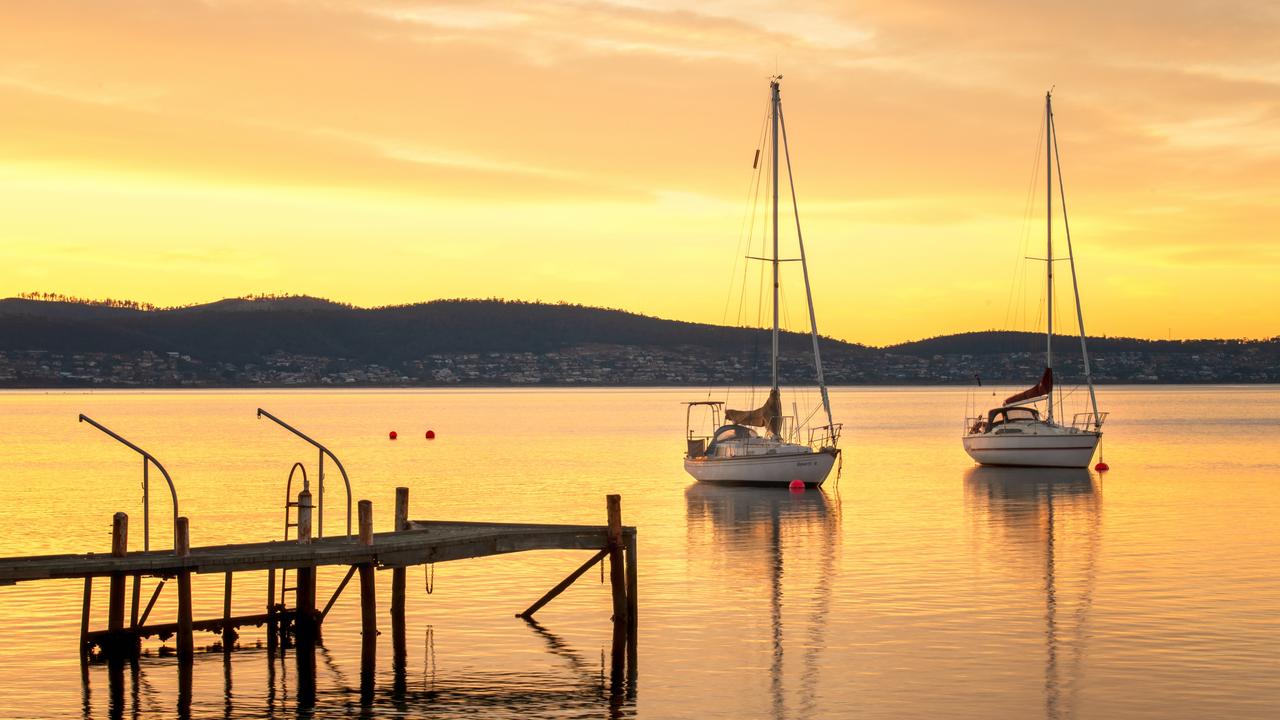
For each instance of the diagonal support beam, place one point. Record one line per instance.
(341, 586)
(151, 603)
(564, 585)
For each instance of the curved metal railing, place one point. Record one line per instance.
(320, 474)
(147, 460)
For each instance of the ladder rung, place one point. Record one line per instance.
(289, 525)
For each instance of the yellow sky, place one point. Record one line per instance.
(373, 152)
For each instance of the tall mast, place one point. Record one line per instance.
(1075, 288)
(1048, 151)
(777, 103)
(804, 266)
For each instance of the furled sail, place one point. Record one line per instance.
(767, 416)
(1041, 389)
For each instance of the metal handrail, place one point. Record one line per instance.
(146, 483)
(320, 475)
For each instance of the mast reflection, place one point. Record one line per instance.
(754, 526)
(1057, 512)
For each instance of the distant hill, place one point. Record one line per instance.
(244, 330)
(1001, 342)
(305, 341)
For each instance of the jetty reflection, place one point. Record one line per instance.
(758, 527)
(1051, 517)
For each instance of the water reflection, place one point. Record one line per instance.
(1055, 514)
(758, 526)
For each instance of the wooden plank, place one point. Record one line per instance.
(425, 542)
(212, 625)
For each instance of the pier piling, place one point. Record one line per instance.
(368, 605)
(617, 572)
(399, 646)
(305, 584)
(182, 548)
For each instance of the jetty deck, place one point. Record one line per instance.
(425, 541)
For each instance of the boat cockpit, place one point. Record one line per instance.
(1003, 416)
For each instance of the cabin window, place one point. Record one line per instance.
(1014, 414)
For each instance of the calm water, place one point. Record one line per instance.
(920, 586)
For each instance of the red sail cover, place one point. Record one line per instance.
(1042, 388)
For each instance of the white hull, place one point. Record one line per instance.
(810, 468)
(1068, 450)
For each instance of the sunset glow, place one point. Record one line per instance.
(392, 152)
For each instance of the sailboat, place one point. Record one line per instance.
(749, 447)
(1015, 433)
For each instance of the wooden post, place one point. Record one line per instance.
(399, 645)
(182, 548)
(305, 593)
(84, 618)
(632, 582)
(115, 601)
(228, 633)
(617, 572)
(368, 607)
(273, 628)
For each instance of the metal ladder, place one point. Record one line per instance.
(290, 524)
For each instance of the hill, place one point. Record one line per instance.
(280, 341)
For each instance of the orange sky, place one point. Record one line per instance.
(385, 152)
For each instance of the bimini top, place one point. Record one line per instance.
(1012, 413)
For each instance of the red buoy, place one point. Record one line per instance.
(431, 434)
(1102, 467)
(796, 486)
(392, 435)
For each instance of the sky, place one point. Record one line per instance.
(384, 152)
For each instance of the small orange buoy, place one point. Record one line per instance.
(392, 435)
(431, 434)
(1102, 467)
(796, 486)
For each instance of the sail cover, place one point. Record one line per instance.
(1041, 389)
(767, 416)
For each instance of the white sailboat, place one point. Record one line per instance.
(749, 447)
(1015, 433)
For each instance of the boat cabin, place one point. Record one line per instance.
(1005, 415)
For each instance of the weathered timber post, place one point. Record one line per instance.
(398, 633)
(305, 592)
(186, 644)
(616, 570)
(273, 627)
(633, 582)
(118, 643)
(228, 633)
(119, 547)
(368, 608)
(84, 618)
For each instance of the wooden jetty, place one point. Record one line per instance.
(419, 542)
(411, 542)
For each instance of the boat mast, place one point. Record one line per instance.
(1048, 354)
(777, 103)
(804, 267)
(1075, 285)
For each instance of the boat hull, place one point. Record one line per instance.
(1068, 450)
(810, 468)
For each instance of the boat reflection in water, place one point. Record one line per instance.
(772, 534)
(1046, 522)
